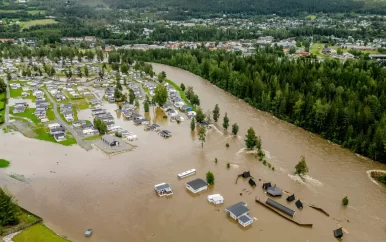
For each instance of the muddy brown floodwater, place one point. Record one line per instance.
(74, 190)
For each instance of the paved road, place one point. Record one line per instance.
(87, 146)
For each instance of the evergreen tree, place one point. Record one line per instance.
(225, 123)
(131, 96)
(216, 113)
(9, 211)
(200, 116)
(146, 106)
(182, 86)
(202, 135)
(250, 139)
(192, 125)
(86, 73)
(235, 129)
(301, 168)
(345, 201)
(210, 178)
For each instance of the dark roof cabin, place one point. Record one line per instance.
(252, 182)
(338, 233)
(274, 191)
(266, 185)
(291, 198)
(299, 204)
(246, 174)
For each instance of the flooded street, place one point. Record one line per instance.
(72, 189)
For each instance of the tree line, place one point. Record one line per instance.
(343, 102)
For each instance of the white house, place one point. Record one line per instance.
(216, 199)
(239, 211)
(197, 185)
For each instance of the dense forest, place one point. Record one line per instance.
(343, 102)
(253, 7)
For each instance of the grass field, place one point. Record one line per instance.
(38, 233)
(15, 93)
(36, 12)
(26, 25)
(312, 17)
(28, 113)
(92, 137)
(316, 49)
(4, 163)
(182, 93)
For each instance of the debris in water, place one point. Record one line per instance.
(241, 194)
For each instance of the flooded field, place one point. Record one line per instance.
(72, 189)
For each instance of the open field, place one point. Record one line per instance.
(26, 25)
(38, 233)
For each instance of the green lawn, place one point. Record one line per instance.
(2, 105)
(26, 25)
(43, 134)
(3, 96)
(92, 137)
(28, 113)
(15, 93)
(36, 12)
(316, 49)
(4, 163)
(312, 17)
(38, 233)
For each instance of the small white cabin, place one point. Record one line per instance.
(216, 199)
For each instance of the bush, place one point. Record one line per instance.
(382, 179)
(264, 162)
(345, 201)
(227, 145)
(210, 178)
(269, 165)
(165, 116)
(228, 165)
(215, 160)
(9, 210)
(273, 168)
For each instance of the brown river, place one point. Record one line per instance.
(72, 189)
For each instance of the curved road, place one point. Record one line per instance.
(87, 146)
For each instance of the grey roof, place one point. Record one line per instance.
(280, 207)
(238, 209)
(197, 183)
(162, 187)
(274, 191)
(245, 218)
(110, 139)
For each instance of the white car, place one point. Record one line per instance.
(131, 137)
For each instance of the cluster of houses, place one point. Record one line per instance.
(88, 128)
(58, 131)
(238, 211)
(66, 109)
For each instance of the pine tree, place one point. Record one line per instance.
(146, 106)
(192, 125)
(301, 168)
(235, 129)
(226, 122)
(210, 178)
(250, 139)
(202, 135)
(216, 113)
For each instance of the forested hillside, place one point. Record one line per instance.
(344, 102)
(243, 6)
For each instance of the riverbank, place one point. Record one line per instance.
(379, 176)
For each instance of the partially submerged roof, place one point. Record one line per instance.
(280, 207)
(299, 204)
(246, 174)
(109, 138)
(161, 187)
(197, 184)
(291, 198)
(274, 191)
(338, 233)
(238, 209)
(245, 218)
(252, 182)
(266, 185)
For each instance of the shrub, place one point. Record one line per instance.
(210, 178)
(215, 160)
(227, 145)
(228, 165)
(269, 165)
(345, 201)
(273, 168)
(165, 116)
(264, 162)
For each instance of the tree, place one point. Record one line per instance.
(161, 76)
(119, 85)
(124, 68)
(202, 135)
(235, 129)
(339, 51)
(208, 117)
(192, 125)
(210, 178)
(137, 103)
(79, 71)
(100, 126)
(225, 123)
(292, 50)
(131, 96)
(301, 168)
(9, 211)
(9, 77)
(250, 139)
(216, 113)
(258, 142)
(160, 95)
(182, 86)
(117, 94)
(3, 86)
(146, 106)
(86, 73)
(200, 116)
(345, 201)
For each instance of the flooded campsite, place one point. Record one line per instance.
(73, 189)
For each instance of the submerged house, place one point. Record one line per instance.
(266, 185)
(252, 182)
(299, 204)
(239, 211)
(291, 198)
(338, 233)
(163, 189)
(274, 191)
(197, 185)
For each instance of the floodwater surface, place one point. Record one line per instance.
(72, 189)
